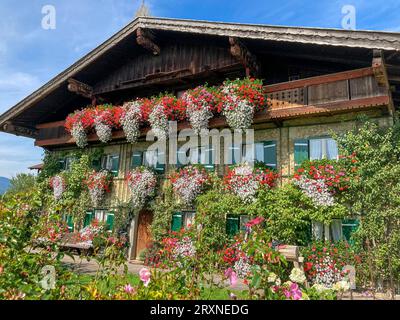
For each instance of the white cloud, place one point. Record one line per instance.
(17, 82)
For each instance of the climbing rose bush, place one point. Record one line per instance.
(142, 183)
(242, 99)
(201, 103)
(244, 181)
(188, 183)
(131, 119)
(57, 183)
(98, 183)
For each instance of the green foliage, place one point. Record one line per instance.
(22, 182)
(375, 196)
(288, 213)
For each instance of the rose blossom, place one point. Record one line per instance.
(145, 276)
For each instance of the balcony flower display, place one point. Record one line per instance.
(78, 124)
(159, 122)
(322, 182)
(57, 183)
(142, 183)
(98, 183)
(104, 123)
(188, 183)
(201, 103)
(242, 99)
(244, 181)
(131, 119)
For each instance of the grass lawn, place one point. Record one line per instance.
(212, 293)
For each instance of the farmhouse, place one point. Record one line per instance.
(317, 81)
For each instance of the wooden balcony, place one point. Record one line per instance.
(354, 90)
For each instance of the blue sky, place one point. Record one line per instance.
(30, 55)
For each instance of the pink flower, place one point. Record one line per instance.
(295, 291)
(255, 222)
(233, 279)
(129, 289)
(145, 276)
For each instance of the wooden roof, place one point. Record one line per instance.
(23, 118)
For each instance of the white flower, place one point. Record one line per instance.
(130, 121)
(278, 282)
(198, 112)
(103, 125)
(79, 134)
(272, 277)
(184, 249)
(142, 183)
(316, 190)
(159, 122)
(297, 275)
(189, 184)
(239, 112)
(244, 183)
(341, 286)
(242, 267)
(319, 287)
(57, 183)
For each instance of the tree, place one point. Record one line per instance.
(22, 182)
(375, 196)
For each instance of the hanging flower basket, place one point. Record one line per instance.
(131, 119)
(78, 124)
(98, 183)
(244, 181)
(142, 183)
(242, 99)
(188, 183)
(322, 182)
(201, 104)
(57, 183)
(104, 123)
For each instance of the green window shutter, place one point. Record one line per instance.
(137, 159)
(70, 223)
(110, 221)
(301, 152)
(349, 226)
(61, 164)
(96, 164)
(160, 168)
(210, 161)
(88, 219)
(115, 165)
(232, 225)
(177, 222)
(270, 156)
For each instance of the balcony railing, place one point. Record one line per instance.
(327, 94)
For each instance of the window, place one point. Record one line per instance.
(154, 159)
(199, 155)
(336, 231)
(236, 224)
(111, 163)
(69, 220)
(325, 148)
(234, 155)
(314, 149)
(65, 163)
(264, 152)
(182, 220)
(105, 217)
(136, 159)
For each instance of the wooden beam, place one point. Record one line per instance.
(145, 38)
(80, 88)
(243, 55)
(329, 78)
(378, 64)
(19, 130)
